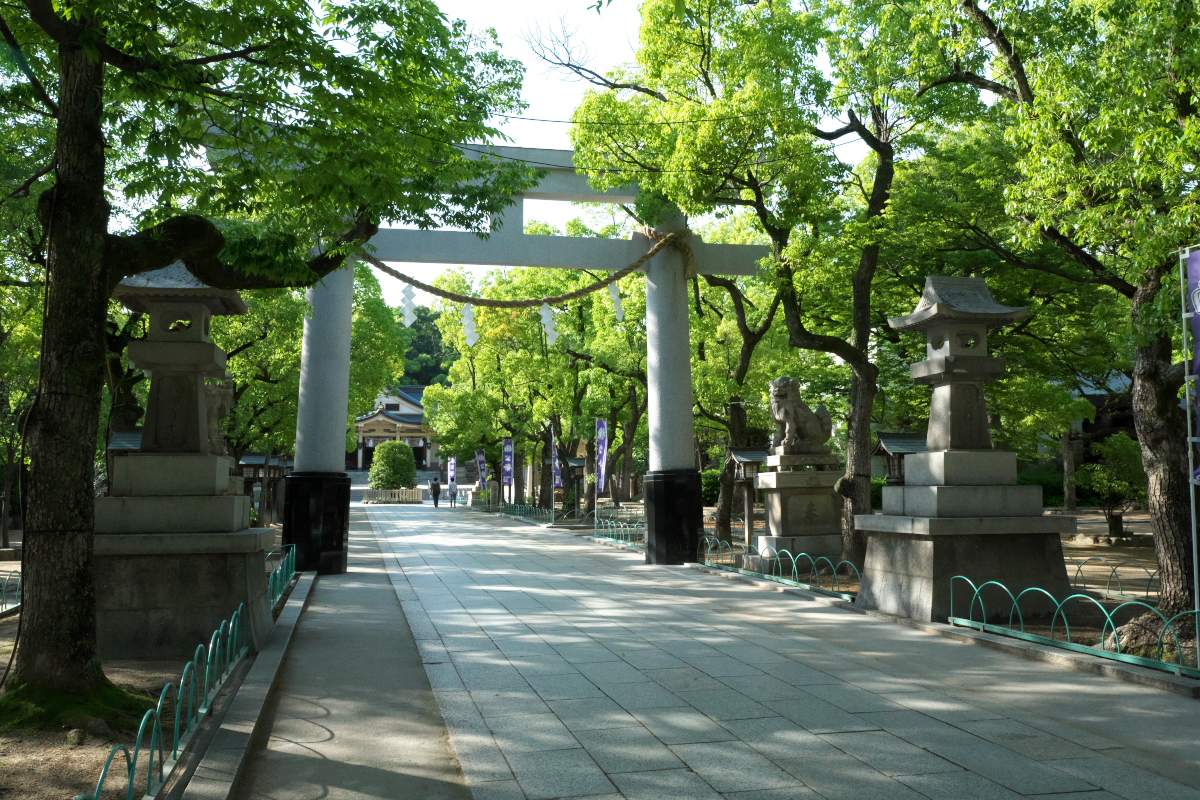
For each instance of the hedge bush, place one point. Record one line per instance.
(393, 467)
(710, 486)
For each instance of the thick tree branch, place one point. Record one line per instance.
(198, 243)
(831, 136)
(23, 189)
(972, 79)
(1089, 261)
(244, 346)
(1024, 94)
(26, 69)
(66, 32)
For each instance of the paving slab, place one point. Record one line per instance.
(627, 750)
(733, 766)
(581, 671)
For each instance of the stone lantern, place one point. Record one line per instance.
(174, 548)
(960, 510)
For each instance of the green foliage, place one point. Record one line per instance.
(428, 358)
(710, 486)
(1051, 482)
(393, 467)
(1118, 480)
(877, 485)
(23, 708)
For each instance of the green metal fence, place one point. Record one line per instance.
(542, 516)
(1002, 604)
(282, 574)
(814, 574)
(632, 533)
(193, 696)
(10, 592)
(1121, 581)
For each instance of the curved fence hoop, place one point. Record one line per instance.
(983, 608)
(98, 792)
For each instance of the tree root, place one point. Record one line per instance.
(1140, 637)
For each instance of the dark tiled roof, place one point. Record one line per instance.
(395, 416)
(573, 462)
(898, 444)
(748, 455)
(256, 459)
(408, 419)
(413, 394)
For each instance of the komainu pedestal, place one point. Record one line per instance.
(960, 511)
(803, 511)
(174, 551)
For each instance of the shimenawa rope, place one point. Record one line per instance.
(677, 239)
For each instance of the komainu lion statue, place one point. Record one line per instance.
(797, 424)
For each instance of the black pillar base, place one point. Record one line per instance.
(316, 518)
(674, 515)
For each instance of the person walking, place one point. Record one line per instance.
(453, 494)
(435, 490)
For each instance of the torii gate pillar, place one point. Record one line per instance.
(674, 508)
(316, 504)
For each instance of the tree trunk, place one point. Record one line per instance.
(518, 476)
(590, 490)
(58, 637)
(10, 469)
(738, 435)
(1162, 433)
(1068, 462)
(546, 482)
(265, 501)
(724, 512)
(856, 488)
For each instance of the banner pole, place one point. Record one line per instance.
(1190, 393)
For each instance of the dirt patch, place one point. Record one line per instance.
(40, 766)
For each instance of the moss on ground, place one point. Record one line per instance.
(23, 708)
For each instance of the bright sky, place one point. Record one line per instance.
(609, 37)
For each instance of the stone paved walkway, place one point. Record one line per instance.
(565, 668)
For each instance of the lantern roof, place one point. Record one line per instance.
(951, 299)
(176, 284)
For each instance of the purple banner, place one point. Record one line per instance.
(451, 469)
(481, 466)
(1193, 304)
(601, 454)
(555, 467)
(507, 463)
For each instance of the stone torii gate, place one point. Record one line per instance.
(317, 498)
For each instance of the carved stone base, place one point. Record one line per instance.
(802, 505)
(909, 575)
(158, 595)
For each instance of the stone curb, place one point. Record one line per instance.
(1066, 659)
(218, 770)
